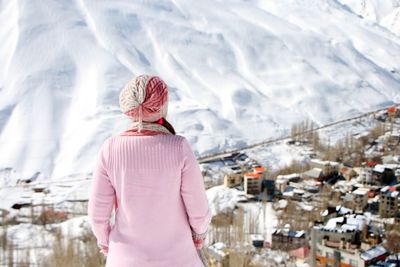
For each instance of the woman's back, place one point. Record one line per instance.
(156, 183)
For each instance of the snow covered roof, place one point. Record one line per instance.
(255, 237)
(288, 193)
(349, 227)
(373, 253)
(325, 162)
(381, 167)
(252, 175)
(390, 191)
(298, 191)
(346, 223)
(305, 206)
(343, 210)
(218, 248)
(311, 183)
(280, 181)
(390, 159)
(362, 191)
(287, 232)
(288, 176)
(314, 173)
(282, 203)
(348, 197)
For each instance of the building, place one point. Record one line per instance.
(220, 253)
(338, 243)
(389, 204)
(259, 169)
(313, 174)
(373, 255)
(347, 172)
(253, 180)
(252, 183)
(258, 240)
(392, 140)
(267, 190)
(328, 255)
(232, 179)
(287, 240)
(328, 167)
(301, 254)
(384, 174)
(282, 181)
(366, 175)
(360, 198)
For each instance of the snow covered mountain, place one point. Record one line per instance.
(386, 13)
(239, 71)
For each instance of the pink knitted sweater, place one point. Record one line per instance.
(157, 186)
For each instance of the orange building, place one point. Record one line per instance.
(392, 110)
(260, 170)
(252, 183)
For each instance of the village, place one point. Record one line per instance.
(343, 210)
(339, 207)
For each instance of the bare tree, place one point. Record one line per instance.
(392, 244)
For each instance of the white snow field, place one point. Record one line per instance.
(239, 72)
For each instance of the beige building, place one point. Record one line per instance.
(232, 179)
(282, 181)
(360, 198)
(347, 172)
(328, 254)
(327, 167)
(338, 243)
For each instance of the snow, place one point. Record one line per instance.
(278, 155)
(373, 253)
(264, 218)
(238, 73)
(282, 203)
(36, 238)
(305, 206)
(361, 191)
(353, 222)
(222, 198)
(384, 13)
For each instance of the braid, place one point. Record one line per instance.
(167, 125)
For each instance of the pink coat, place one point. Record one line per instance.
(157, 186)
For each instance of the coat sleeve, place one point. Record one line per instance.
(193, 191)
(101, 198)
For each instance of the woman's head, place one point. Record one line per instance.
(145, 98)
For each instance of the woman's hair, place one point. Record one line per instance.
(167, 125)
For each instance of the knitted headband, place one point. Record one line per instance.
(144, 98)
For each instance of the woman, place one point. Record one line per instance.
(152, 178)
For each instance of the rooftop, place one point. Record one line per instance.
(381, 167)
(314, 173)
(259, 169)
(390, 191)
(252, 175)
(373, 253)
(325, 162)
(347, 223)
(288, 176)
(361, 191)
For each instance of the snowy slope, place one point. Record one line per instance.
(386, 13)
(239, 71)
